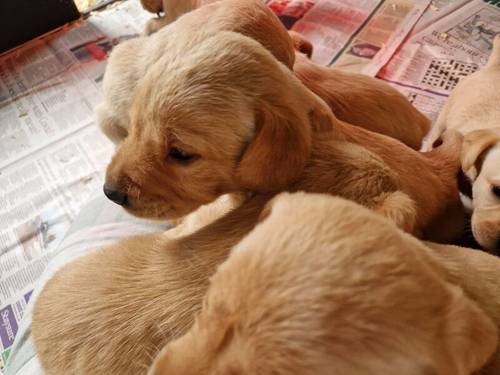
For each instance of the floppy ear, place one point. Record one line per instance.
(474, 145)
(279, 151)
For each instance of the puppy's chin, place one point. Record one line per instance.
(160, 211)
(486, 233)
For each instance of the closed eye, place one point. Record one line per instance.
(496, 190)
(179, 156)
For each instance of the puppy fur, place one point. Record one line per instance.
(172, 10)
(354, 98)
(130, 60)
(303, 294)
(361, 100)
(264, 132)
(129, 299)
(473, 109)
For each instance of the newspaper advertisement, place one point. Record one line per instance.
(52, 155)
(435, 58)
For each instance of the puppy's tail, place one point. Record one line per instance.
(494, 59)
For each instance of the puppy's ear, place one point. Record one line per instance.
(475, 144)
(279, 151)
(470, 335)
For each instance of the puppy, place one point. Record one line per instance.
(121, 303)
(130, 60)
(361, 100)
(130, 299)
(357, 99)
(204, 130)
(304, 294)
(473, 109)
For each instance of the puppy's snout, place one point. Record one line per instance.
(115, 195)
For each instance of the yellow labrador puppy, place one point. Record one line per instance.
(474, 109)
(200, 130)
(357, 99)
(323, 286)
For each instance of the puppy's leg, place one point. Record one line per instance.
(436, 131)
(399, 208)
(206, 214)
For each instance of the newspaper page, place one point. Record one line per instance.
(52, 155)
(358, 35)
(437, 56)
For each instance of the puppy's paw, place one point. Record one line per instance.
(400, 209)
(155, 24)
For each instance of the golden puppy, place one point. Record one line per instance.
(110, 311)
(130, 299)
(473, 109)
(304, 293)
(361, 100)
(130, 60)
(202, 130)
(394, 115)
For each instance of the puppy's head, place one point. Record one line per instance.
(305, 287)
(131, 59)
(224, 117)
(480, 162)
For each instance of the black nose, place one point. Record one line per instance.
(116, 196)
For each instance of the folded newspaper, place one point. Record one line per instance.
(52, 156)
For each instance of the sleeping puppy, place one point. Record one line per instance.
(130, 60)
(304, 294)
(110, 311)
(357, 99)
(202, 130)
(361, 100)
(473, 108)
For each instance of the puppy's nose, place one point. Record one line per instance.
(117, 196)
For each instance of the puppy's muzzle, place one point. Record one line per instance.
(115, 195)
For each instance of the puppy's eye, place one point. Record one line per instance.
(180, 156)
(496, 190)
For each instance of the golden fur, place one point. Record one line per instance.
(172, 10)
(361, 100)
(130, 299)
(264, 132)
(303, 293)
(473, 109)
(130, 60)
(354, 98)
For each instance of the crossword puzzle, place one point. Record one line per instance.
(445, 74)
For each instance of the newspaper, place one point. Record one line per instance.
(438, 54)
(359, 35)
(52, 156)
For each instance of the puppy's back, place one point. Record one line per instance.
(305, 294)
